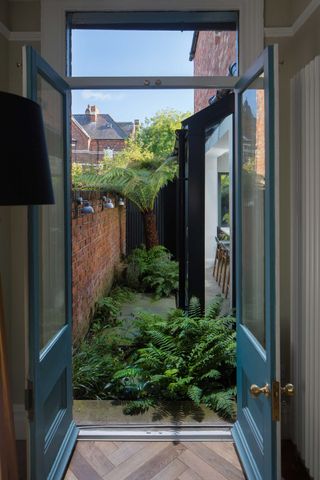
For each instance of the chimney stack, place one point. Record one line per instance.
(136, 125)
(92, 112)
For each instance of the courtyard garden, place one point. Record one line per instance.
(149, 359)
(135, 352)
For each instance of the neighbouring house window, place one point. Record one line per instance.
(223, 199)
(108, 152)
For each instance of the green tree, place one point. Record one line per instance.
(140, 186)
(153, 143)
(141, 169)
(157, 135)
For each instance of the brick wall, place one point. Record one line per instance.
(81, 140)
(97, 245)
(215, 52)
(86, 150)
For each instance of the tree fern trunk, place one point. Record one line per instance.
(150, 229)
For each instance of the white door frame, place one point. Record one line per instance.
(53, 25)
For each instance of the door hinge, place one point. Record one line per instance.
(29, 399)
(276, 397)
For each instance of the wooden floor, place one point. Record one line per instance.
(154, 460)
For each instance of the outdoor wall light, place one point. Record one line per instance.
(121, 202)
(107, 202)
(87, 208)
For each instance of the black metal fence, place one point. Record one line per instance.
(165, 209)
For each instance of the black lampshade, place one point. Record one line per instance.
(25, 177)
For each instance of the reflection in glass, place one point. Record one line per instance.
(52, 218)
(253, 205)
(218, 162)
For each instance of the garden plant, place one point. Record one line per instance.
(170, 358)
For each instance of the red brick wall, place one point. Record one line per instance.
(95, 154)
(214, 54)
(97, 245)
(81, 139)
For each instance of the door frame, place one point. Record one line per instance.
(54, 37)
(35, 389)
(194, 267)
(267, 59)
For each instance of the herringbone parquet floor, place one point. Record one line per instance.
(154, 460)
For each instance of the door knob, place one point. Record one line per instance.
(256, 391)
(288, 390)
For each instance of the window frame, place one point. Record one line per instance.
(55, 40)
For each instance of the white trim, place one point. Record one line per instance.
(20, 421)
(164, 435)
(53, 12)
(4, 31)
(152, 82)
(274, 32)
(19, 36)
(278, 32)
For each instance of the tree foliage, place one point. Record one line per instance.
(157, 135)
(140, 186)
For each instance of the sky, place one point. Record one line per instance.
(131, 53)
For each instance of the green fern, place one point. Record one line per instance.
(171, 358)
(194, 310)
(223, 402)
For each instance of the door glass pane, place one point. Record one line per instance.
(52, 218)
(218, 195)
(253, 211)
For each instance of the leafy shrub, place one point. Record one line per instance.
(101, 354)
(172, 358)
(109, 308)
(182, 357)
(94, 364)
(152, 271)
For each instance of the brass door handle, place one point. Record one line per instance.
(256, 391)
(288, 390)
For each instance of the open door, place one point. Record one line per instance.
(256, 431)
(205, 142)
(254, 249)
(49, 394)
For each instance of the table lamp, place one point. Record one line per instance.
(26, 180)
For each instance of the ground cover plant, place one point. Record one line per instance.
(152, 271)
(175, 357)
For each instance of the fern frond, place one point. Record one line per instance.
(195, 394)
(194, 310)
(224, 403)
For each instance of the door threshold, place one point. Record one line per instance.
(182, 434)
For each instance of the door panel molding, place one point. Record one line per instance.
(256, 435)
(52, 430)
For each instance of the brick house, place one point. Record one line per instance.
(96, 134)
(212, 53)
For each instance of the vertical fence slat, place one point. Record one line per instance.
(165, 224)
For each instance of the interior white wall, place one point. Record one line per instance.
(20, 17)
(218, 158)
(211, 206)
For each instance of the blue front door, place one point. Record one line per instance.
(256, 429)
(52, 430)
